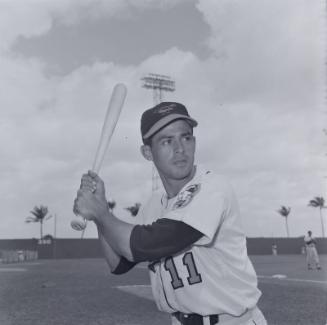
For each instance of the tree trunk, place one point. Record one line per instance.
(322, 223)
(287, 230)
(83, 232)
(41, 229)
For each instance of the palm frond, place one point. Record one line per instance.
(39, 212)
(134, 209)
(284, 211)
(48, 217)
(317, 202)
(30, 219)
(35, 213)
(111, 205)
(313, 203)
(44, 209)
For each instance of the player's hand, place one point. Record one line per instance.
(93, 183)
(91, 202)
(88, 183)
(97, 181)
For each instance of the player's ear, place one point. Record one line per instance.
(146, 152)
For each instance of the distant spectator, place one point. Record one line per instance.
(21, 256)
(274, 249)
(311, 251)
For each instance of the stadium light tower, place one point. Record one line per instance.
(158, 83)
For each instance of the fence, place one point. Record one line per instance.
(11, 256)
(15, 250)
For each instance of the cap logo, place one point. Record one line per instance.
(166, 109)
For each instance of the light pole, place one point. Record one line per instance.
(158, 83)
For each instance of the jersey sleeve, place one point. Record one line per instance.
(123, 266)
(207, 209)
(164, 237)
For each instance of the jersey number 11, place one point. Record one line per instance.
(188, 260)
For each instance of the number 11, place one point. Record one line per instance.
(188, 260)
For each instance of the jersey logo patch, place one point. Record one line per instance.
(185, 197)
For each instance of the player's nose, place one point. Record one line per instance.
(178, 146)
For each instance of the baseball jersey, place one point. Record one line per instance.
(214, 275)
(309, 241)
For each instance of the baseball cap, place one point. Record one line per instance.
(155, 118)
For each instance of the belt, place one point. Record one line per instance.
(194, 319)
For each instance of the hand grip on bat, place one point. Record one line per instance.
(111, 118)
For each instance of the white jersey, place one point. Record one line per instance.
(214, 275)
(309, 241)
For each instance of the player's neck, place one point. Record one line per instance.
(173, 186)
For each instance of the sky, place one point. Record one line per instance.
(251, 72)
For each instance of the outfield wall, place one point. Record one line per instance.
(263, 246)
(90, 248)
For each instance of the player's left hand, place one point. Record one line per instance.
(88, 183)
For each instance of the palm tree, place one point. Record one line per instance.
(284, 212)
(134, 209)
(319, 202)
(39, 215)
(111, 205)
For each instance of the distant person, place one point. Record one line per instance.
(274, 249)
(311, 251)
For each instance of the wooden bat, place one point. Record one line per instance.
(111, 118)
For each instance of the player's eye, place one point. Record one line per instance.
(188, 137)
(166, 142)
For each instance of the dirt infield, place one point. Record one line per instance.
(83, 292)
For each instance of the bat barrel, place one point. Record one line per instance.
(115, 105)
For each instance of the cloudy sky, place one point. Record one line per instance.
(251, 72)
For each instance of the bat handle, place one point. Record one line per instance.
(79, 223)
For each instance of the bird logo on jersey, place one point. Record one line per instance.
(186, 196)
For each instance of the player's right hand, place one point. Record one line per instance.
(91, 202)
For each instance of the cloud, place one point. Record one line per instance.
(268, 49)
(258, 98)
(36, 17)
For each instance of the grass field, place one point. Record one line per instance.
(83, 292)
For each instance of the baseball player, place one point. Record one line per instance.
(311, 251)
(190, 231)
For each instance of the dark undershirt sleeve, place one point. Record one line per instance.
(162, 238)
(123, 266)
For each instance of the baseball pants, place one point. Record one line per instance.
(312, 256)
(252, 317)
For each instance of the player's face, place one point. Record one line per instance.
(172, 150)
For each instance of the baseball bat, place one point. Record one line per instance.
(111, 118)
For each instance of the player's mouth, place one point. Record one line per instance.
(180, 162)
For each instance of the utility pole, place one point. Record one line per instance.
(158, 83)
(325, 176)
(55, 237)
